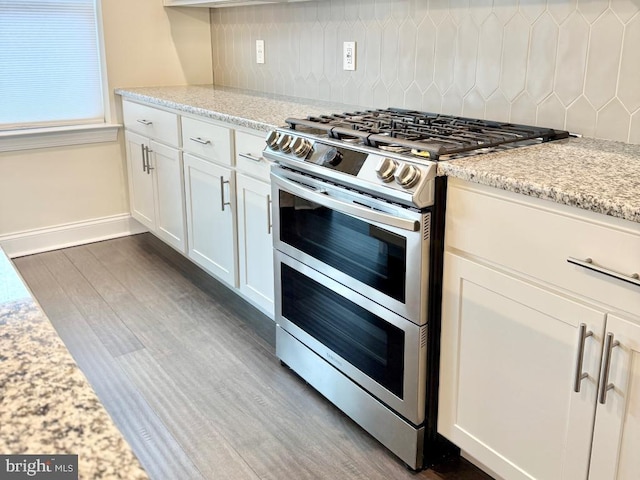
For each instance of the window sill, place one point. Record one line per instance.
(28, 139)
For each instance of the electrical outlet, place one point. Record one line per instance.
(349, 56)
(259, 51)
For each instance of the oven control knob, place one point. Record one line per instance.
(407, 175)
(301, 147)
(272, 140)
(385, 169)
(332, 157)
(284, 143)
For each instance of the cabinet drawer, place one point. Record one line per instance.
(536, 237)
(249, 157)
(207, 140)
(151, 122)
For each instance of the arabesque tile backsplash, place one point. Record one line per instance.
(571, 64)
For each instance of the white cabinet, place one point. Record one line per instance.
(255, 243)
(616, 439)
(188, 196)
(155, 188)
(141, 197)
(507, 396)
(210, 193)
(523, 329)
(210, 197)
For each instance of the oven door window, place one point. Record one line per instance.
(366, 341)
(371, 255)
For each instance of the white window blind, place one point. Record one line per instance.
(49, 63)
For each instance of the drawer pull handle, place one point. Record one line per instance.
(199, 140)
(149, 167)
(144, 157)
(269, 223)
(605, 386)
(222, 202)
(634, 278)
(249, 156)
(145, 122)
(583, 334)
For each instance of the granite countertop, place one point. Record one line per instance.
(46, 404)
(602, 176)
(598, 175)
(259, 111)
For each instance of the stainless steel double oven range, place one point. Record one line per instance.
(358, 221)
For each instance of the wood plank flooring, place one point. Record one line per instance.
(188, 371)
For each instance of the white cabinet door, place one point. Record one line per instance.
(616, 439)
(255, 242)
(210, 193)
(509, 362)
(141, 197)
(169, 195)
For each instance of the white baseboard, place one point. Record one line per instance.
(69, 235)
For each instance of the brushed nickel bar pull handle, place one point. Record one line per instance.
(605, 386)
(149, 167)
(269, 225)
(144, 157)
(634, 278)
(144, 122)
(583, 334)
(222, 202)
(248, 156)
(317, 195)
(199, 140)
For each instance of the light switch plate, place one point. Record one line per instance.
(259, 51)
(349, 56)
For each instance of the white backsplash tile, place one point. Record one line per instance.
(629, 78)
(571, 64)
(592, 9)
(551, 113)
(489, 56)
(582, 117)
(523, 110)
(613, 121)
(634, 135)
(603, 60)
(542, 57)
(514, 57)
(571, 61)
(625, 9)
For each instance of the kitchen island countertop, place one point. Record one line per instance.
(601, 176)
(46, 404)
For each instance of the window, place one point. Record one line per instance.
(49, 64)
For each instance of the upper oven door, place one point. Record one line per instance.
(379, 249)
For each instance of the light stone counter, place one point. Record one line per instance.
(597, 175)
(46, 404)
(238, 107)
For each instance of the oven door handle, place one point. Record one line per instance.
(314, 195)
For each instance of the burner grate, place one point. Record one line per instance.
(423, 134)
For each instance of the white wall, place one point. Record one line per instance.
(145, 44)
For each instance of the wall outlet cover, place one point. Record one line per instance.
(259, 51)
(349, 56)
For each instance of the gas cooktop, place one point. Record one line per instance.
(423, 134)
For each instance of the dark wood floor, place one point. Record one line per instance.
(188, 371)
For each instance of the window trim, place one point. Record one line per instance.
(32, 138)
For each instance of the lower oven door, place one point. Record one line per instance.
(376, 248)
(380, 351)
